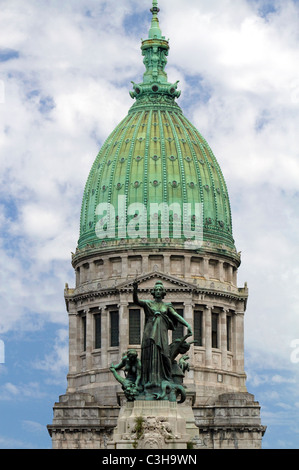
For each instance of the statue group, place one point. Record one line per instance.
(157, 375)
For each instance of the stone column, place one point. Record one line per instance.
(206, 268)
(105, 338)
(187, 272)
(124, 266)
(144, 264)
(92, 271)
(223, 339)
(77, 276)
(123, 327)
(73, 339)
(208, 335)
(234, 276)
(188, 315)
(220, 271)
(106, 268)
(166, 263)
(89, 339)
(84, 273)
(230, 273)
(238, 334)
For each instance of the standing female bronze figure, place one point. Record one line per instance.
(160, 317)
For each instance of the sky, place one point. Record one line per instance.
(65, 76)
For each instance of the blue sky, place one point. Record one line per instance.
(65, 73)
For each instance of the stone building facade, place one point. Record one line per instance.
(156, 156)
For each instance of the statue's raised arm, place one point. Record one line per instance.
(136, 299)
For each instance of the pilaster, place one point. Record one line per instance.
(223, 339)
(73, 339)
(105, 337)
(89, 339)
(208, 335)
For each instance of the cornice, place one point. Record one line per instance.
(178, 285)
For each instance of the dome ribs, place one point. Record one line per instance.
(182, 178)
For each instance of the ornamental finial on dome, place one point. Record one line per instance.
(155, 31)
(155, 51)
(155, 7)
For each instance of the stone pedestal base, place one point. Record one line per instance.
(153, 425)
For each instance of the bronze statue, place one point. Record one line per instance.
(160, 376)
(132, 369)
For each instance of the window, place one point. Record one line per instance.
(84, 332)
(134, 326)
(228, 332)
(114, 328)
(214, 330)
(98, 331)
(197, 334)
(179, 330)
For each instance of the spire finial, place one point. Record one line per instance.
(155, 31)
(155, 52)
(155, 8)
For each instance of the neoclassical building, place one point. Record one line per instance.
(156, 207)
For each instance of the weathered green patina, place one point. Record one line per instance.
(157, 376)
(155, 155)
(132, 369)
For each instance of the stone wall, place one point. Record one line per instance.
(234, 422)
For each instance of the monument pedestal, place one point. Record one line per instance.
(153, 424)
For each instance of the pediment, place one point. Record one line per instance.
(147, 282)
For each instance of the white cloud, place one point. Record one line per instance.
(20, 392)
(33, 426)
(68, 89)
(56, 362)
(10, 443)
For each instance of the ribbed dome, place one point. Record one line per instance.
(155, 155)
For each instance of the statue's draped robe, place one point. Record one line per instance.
(156, 364)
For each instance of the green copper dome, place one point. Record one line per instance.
(155, 157)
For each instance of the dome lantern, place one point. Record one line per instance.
(155, 51)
